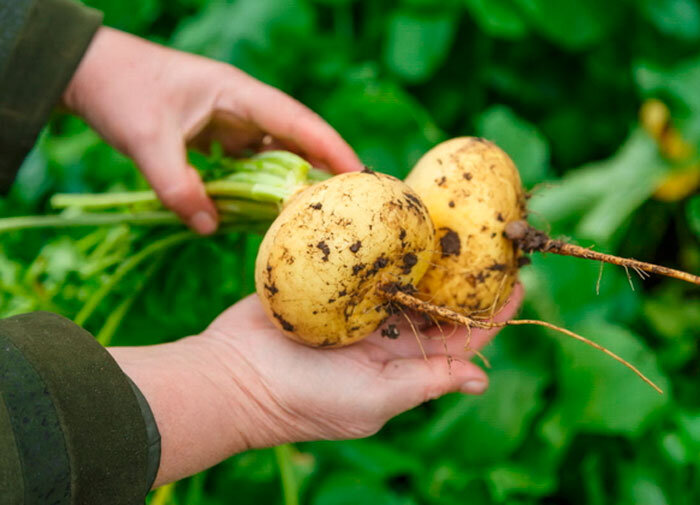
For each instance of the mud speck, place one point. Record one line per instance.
(409, 260)
(467, 176)
(497, 267)
(524, 261)
(441, 180)
(380, 262)
(449, 243)
(272, 289)
(316, 206)
(451, 204)
(499, 216)
(324, 249)
(357, 268)
(356, 246)
(391, 332)
(342, 293)
(286, 325)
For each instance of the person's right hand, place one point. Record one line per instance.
(150, 101)
(241, 384)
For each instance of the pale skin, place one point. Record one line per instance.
(241, 384)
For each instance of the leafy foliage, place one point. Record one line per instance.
(558, 84)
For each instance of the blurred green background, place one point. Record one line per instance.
(598, 103)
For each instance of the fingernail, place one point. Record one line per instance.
(203, 222)
(473, 387)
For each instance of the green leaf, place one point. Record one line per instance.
(675, 18)
(364, 105)
(693, 212)
(498, 18)
(351, 489)
(376, 458)
(511, 479)
(680, 81)
(490, 427)
(417, 44)
(262, 37)
(128, 15)
(689, 424)
(520, 139)
(600, 394)
(640, 485)
(571, 23)
(604, 194)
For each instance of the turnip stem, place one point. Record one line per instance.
(128, 265)
(88, 219)
(395, 295)
(219, 188)
(290, 487)
(153, 218)
(102, 200)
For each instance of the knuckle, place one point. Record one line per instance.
(177, 195)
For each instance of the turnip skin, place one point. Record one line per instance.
(472, 190)
(322, 261)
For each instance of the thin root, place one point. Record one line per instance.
(414, 303)
(415, 332)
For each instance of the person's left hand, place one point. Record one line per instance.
(150, 101)
(348, 392)
(243, 385)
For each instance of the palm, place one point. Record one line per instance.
(352, 391)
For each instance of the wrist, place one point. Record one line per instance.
(71, 97)
(206, 405)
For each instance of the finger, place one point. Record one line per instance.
(285, 118)
(162, 160)
(408, 382)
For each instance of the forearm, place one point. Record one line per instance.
(42, 43)
(204, 412)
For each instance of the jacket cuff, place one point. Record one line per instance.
(45, 42)
(81, 427)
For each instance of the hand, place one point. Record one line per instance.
(349, 392)
(149, 102)
(242, 385)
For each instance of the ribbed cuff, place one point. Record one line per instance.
(78, 420)
(49, 38)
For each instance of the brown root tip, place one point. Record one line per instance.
(409, 301)
(531, 239)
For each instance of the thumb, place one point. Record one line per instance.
(412, 381)
(163, 162)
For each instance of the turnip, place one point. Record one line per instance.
(323, 264)
(477, 203)
(472, 191)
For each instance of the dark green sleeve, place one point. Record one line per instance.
(74, 429)
(41, 44)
